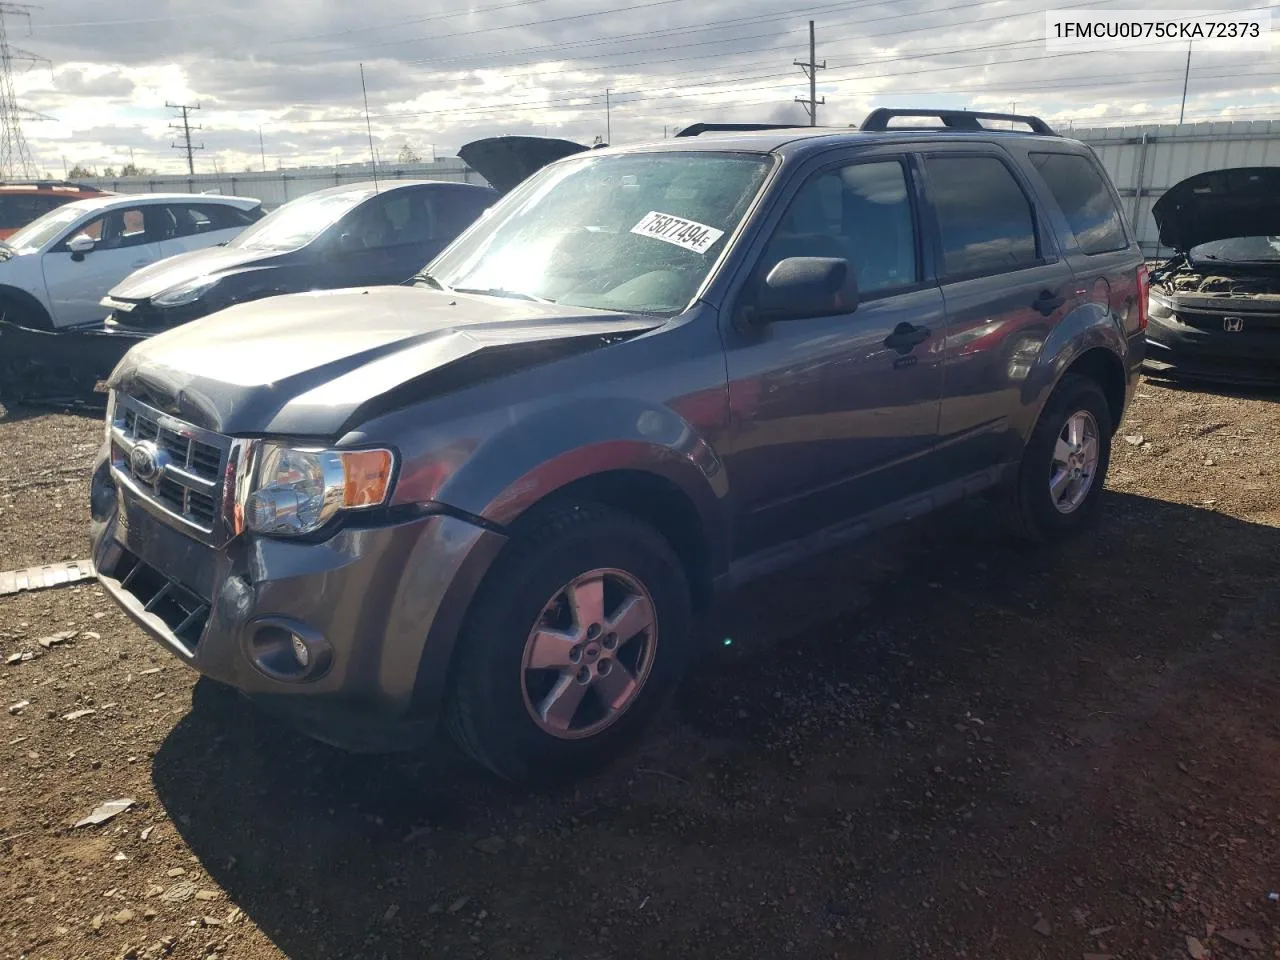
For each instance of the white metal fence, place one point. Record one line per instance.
(280, 186)
(1145, 161)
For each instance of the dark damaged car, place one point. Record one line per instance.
(365, 233)
(504, 495)
(1215, 305)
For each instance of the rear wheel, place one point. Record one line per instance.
(575, 641)
(1064, 465)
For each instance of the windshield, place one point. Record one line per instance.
(628, 232)
(299, 221)
(1239, 250)
(43, 229)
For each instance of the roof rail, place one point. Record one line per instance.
(700, 128)
(879, 118)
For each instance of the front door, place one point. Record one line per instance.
(125, 240)
(835, 416)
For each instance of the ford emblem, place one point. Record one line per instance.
(146, 461)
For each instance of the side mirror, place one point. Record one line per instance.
(81, 243)
(348, 243)
(798, 288)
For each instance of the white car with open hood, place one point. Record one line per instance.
(55, 270)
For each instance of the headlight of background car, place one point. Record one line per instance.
(185, 293)
(1159, 306)
(299, 490)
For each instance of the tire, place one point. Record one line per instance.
(1032, 510)
(515, 716)
(22, 314)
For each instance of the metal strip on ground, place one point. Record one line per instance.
(42, 578)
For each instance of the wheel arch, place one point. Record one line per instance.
(28, 301)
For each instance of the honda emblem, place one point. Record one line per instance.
(1233, 324)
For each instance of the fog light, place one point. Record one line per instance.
(287, 650)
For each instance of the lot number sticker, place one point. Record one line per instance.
(689, 234)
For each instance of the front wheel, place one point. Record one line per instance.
(576, 639)
(1064, 465)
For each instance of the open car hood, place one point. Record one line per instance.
(1219, 205)
(506, 161)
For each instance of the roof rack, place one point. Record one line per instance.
(700, 128)
(879, 118)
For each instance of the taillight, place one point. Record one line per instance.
(1144, 294)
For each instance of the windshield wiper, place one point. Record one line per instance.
(498, 292)
(428, 279)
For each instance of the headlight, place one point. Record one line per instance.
(1159, 306)
(185, 293)
(299, 490)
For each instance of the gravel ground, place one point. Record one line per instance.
(945, 746)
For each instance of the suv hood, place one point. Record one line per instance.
(1219, 205)
(506, 161)
(315, 364)
(168, 273)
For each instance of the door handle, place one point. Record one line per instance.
(906, 337)
(1048, 301)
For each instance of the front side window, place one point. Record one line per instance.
(860, 213)
(1083, 198)
(120, 229)
(628, 232)
(985, 219)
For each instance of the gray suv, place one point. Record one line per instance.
(501, 495)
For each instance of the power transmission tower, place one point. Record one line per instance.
(15, 155)
(811, 68)
(186, 129)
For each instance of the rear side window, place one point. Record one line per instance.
(1084, 199)
(985, 219)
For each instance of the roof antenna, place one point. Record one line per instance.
(373, 157)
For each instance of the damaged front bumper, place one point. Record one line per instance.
(1225, 339)
(349, 638)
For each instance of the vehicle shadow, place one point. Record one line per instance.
(764, 816)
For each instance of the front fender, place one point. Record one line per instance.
(1090, 326)
(532, 458)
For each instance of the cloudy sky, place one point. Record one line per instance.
(441, 74)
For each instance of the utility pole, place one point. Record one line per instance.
(811, 68)
(186, 129)
(262, 150)
(608, 118)
(15, 155)
(1186, 76)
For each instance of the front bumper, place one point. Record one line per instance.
(378, 606)
(1248, 356)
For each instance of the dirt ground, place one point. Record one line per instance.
(945, 746)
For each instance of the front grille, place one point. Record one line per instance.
(180, 467)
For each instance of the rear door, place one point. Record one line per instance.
(197, 225)
(125, 239)
(1097, 243)
(1005, 285)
